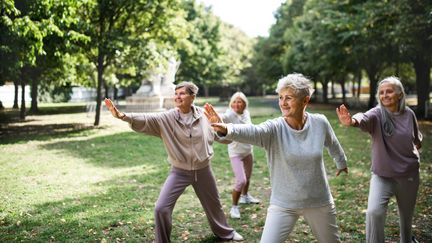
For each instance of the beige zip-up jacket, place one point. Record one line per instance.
(188, 148)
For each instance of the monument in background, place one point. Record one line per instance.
(156, 92)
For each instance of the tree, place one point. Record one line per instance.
(270, 51)
(413, 33)
(236, 56)
(22, 43)
(201, 51)
(112, 26)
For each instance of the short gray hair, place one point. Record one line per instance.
(191, 88)
(298, 82)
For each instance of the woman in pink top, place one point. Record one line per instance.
(395, 158)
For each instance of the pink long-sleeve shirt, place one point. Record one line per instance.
(395, 155)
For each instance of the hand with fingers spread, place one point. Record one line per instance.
(344, 116)
(211, 114)
(114, 111)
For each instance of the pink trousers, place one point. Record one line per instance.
(242, 168)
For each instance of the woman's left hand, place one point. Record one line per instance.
(113, 109)
(339, 171)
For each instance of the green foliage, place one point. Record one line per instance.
(333, 40)
(201, 52)
(237, 53)
(54, 94)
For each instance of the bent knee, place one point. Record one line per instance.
(240, 183)
(162, 210)
(376, 212)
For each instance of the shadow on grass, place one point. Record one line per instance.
(10, 115)
(126, 149)
(10, 134)
(122, 212)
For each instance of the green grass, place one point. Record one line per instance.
(61, 179)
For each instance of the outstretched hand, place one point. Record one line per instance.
(339, 171)
(211, 114)
(344, 115)
(114, 111)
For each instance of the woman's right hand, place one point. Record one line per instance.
(220, 128)
(114, 111)
(344, 116)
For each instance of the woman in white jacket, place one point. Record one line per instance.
(240, 154)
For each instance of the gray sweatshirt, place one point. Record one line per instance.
(395, 155)
(295, 158)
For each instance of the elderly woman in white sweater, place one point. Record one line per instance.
(294, 144)
(240, 154)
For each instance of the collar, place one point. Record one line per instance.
(196, 113)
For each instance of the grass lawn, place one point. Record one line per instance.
(63, 180)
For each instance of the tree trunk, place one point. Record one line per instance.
(333, 92)
(315, 86)
(23, 107)
(100, 64)
(372, 72)
(106, 91)
(325, 91)
(100, 83)
(34, 95)
(115, 93)
(206, 90)
(15, 104)
(422, 66)
(359, 78)
(342, 83)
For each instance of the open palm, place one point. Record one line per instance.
(344, 115)
(211, 114)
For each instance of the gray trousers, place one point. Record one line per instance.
(280, 222)
(204, 184)
(381, 190)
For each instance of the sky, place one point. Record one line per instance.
(253, 17)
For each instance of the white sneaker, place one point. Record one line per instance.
(237, 237)
(242, 199)
(246, 199)
(235, 212)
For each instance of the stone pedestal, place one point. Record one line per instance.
(149, 104)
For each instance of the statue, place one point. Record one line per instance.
(157, 90)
